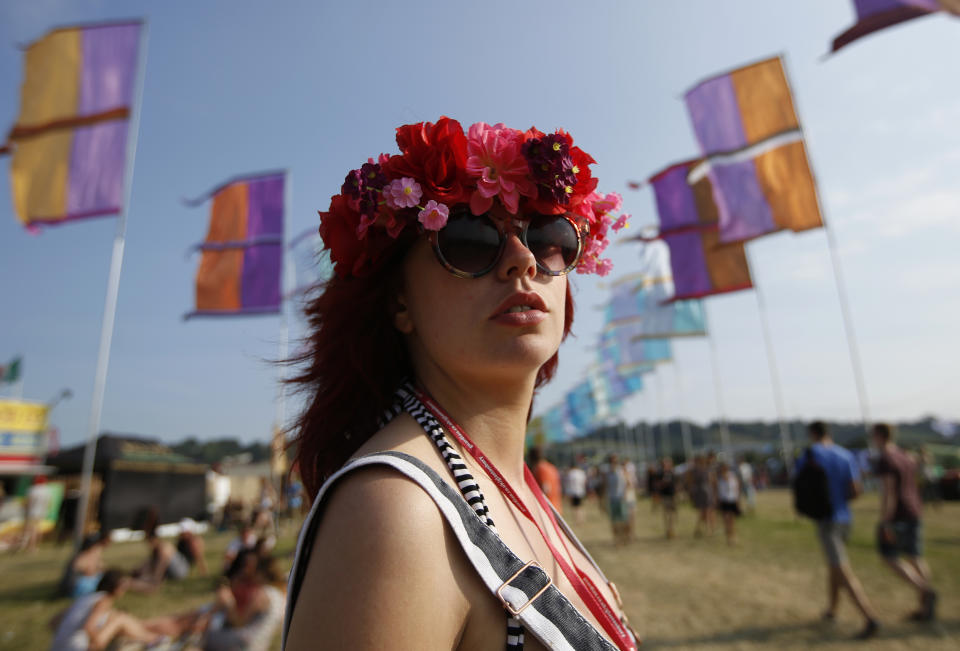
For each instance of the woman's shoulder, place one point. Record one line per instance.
(381, 542)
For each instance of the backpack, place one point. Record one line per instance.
(811, 490)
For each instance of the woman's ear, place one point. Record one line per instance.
(401, 316)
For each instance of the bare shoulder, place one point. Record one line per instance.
(381, 561)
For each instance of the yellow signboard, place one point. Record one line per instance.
(20, 416)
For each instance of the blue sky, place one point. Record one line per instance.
(318, 87)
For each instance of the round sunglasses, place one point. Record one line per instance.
(470, 246)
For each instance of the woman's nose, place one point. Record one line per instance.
(517, 260)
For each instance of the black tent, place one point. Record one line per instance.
(138, 475)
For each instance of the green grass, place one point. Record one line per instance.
(684, 593)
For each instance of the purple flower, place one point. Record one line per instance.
(402, 193)
(372, 176)
(551, 167)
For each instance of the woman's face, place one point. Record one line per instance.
(499, 327)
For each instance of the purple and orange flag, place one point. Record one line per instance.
(69, 143)
(874, 15)
(700, 263)
(755, 158)
(241, 268)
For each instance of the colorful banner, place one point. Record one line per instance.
(874, 15)
(241, 267)
(624, 347)
(70, 140)
(311, 261)
(23, 432)
(746, 124)
(581, 406)
(646, 299)
(701, 265)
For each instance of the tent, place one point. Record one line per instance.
(137, 475)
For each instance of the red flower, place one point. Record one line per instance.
(436, 156)
(338, 229)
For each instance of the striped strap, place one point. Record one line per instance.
(544, 610)
(469, 488)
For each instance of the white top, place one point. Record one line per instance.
(575, 482)
(728, 488)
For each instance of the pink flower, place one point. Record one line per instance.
(495, 158)
(621, 222)
(402, 193)
(612, 202)
(604, 266)
(434, 215)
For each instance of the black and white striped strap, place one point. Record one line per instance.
(543, 610)
(469, 488)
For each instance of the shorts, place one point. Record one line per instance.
(576, 500)
(907, 540)
(833, 538)
(730, 507)
(618, 510)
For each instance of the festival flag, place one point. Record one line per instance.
(646, 299)
(241, 268)
(10, 372)
(701, 265)
(69, 143)
(311, 261)
(874, 15)
(556, 424)
(581, 405)
(748, 130)
(621, 346)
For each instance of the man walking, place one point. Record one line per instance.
(843, 483)
(899, 531)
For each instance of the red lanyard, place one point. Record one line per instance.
(584, 587)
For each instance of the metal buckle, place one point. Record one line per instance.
(506, 604)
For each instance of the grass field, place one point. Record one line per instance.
(685, 593)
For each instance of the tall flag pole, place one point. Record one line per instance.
(785, 440)
(113, 281)
(279, 432)
(852, 347)
(721, 410)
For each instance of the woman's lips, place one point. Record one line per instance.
(533, 310)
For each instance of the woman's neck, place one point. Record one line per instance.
(492, 414)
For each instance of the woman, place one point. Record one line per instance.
(92, 623)
(449, 303)
(84, 570)
(247, 610)
(728, 492)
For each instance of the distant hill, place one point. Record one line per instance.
(216, 450)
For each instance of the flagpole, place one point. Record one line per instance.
(283, 352)
(684, 424)
(715, 365)
(785, 440)
(838, 281)
(110, 306)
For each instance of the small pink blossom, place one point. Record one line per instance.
(612, 202)
(402, 193)
(621, 222)
(604, 266)
(495, 158)
(434, 215)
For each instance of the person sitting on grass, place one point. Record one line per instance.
(85, 568)
(91, 622)
(191, 546)
(164, 562)
(249, 608)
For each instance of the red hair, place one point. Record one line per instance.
(351, 365)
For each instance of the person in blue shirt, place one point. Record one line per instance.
(843, 478)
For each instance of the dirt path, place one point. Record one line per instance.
(768, 591)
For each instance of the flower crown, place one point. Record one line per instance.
(381, 202)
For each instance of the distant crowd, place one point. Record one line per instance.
(824, 478)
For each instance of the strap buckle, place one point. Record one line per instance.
(506, 604)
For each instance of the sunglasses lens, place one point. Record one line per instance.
(554, 242)
(468, 242)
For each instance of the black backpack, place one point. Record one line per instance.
(811, 490)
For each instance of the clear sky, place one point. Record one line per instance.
(316, 87)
